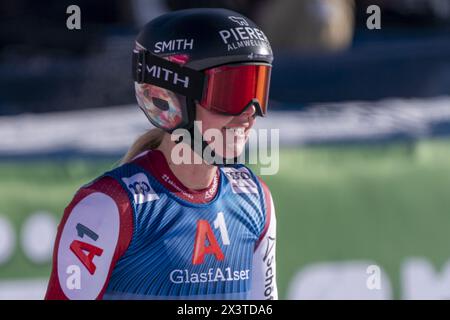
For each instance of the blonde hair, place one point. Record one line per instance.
(148, 141)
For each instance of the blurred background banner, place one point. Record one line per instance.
(362, 194)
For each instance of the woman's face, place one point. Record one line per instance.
(234, 130)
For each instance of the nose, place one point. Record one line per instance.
(250, 111)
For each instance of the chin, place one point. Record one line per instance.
(230, 151)
(233, 151)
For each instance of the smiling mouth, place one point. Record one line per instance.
(236, 130)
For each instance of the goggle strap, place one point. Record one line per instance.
(151, 69)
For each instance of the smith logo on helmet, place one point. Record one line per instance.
(151, 69)
(173, 45)
(167, 75)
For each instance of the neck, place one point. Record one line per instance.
(191, 175)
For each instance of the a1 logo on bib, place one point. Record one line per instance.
(140, 187)
(241, 180)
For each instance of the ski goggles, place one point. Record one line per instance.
(229, 89)
(232, 89)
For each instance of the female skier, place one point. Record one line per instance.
(176, 220)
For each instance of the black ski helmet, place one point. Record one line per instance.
(183, 44)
